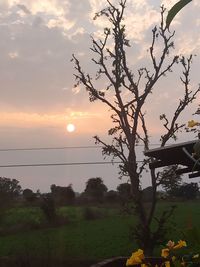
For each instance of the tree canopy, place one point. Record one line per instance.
(63, 194)
(95, 189)
(169, 179)
(9, 189)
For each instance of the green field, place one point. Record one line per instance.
(108, 235)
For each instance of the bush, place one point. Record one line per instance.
(47, 205)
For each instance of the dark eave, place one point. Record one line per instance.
(177, 154)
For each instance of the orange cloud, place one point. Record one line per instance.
(85, 121)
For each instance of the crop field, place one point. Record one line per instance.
(105, 235)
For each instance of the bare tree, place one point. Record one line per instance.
(128, 114)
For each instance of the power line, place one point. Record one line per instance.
(56, 164)
(56, 148)
(61, 164)
(49, 148)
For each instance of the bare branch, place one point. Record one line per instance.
(173, 127)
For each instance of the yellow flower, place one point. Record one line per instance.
(180, 244)
(192, 123)
(136, 258)
(167, 264)
(170, 244)
(195, 256)
(165, 253)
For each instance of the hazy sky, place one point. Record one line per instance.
(38, 100)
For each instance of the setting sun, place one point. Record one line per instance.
(70, 127)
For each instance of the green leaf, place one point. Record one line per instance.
(174, 10)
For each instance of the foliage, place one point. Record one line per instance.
(95, 189)
(174, 10)
(124, 191)
(187, 191)
(173, 255)
(16, 220)
(47, 205)
(63, 195)
(125, 94)
(29, 195)
(161, 228)
(169, 179)
(9, 190)
(111, 196)
(9, 187)
(172, 183)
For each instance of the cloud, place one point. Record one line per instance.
(42, 68)
(187, 46)
(24, 9)
(26, 119)
(84, 115)
(13, 55)
(62, 23)
(37, 6)
(37, 21)
(34, 82)
(76, 90)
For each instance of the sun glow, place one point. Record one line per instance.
(70, 127)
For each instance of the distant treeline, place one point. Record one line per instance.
(95, 192)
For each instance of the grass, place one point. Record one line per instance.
(84, 240)
(105, 237)
(21, 215)
(186, 214)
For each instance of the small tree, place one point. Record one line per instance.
(170, 180)
(111, 196)
(125, 95)
(124, 191)
(9, 190)
(28, 195)
(47, 205)
(95, 189)
(63, 195)
(187, 191)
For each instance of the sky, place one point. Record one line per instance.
(38, 100)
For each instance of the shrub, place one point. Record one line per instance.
(47, 205)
